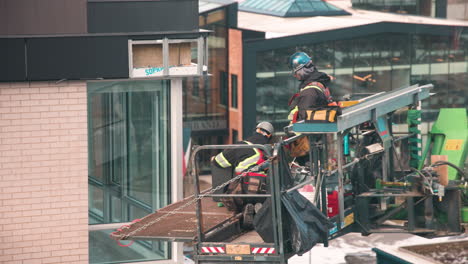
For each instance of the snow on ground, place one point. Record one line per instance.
(355, 243)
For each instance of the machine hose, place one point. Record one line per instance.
(441, 162)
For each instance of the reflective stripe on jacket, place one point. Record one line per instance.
(240, 159)
(248, 162)
(308, 97)
(222, 161)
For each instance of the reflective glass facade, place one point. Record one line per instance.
(414, 7)
(451, 9)
(370, 64)
(129, 155)
(205, 98)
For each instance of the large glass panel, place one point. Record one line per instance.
(96, 204)
(272, 99)
(100, 246)
(393, 6)
(401, 68)
(205, 111)
(128, 163)
(363, 73)
(324, 57)
(439, 71)
(420, 59)
(458, 68)
(382, 63)
(275, 84)
(371, 64)
(344, 63)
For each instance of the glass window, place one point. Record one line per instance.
(272, 99)
(439, 71)
(458, 68)
(223, 85)
(324, 57)
(344, 55)
(139, 251)
(234, 91)
(344, 62)
(129, 174)
(235, 136)
(371, 64)
(420, 58)
(363, 74)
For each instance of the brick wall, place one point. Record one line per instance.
(235, 67)
(43, 173)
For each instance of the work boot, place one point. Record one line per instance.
(248, 216)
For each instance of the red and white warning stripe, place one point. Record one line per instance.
(263, 250)
(212, 250)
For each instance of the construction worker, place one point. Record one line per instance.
(233, 162)
(313, 91)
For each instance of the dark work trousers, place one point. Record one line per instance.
(219, 176)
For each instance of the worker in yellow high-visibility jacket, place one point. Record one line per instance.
(232, 162)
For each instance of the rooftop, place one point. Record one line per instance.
(291, 8)
(276, 27)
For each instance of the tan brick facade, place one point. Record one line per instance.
(44, 173)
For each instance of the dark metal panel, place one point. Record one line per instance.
(252, 35)
(142, 16)
(77, 58)
(249, 72)
(12, 61)
(232, 15)
(25, 17)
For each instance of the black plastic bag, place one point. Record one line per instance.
(262, 222)
(308, 225)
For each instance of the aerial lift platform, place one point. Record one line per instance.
(379, 199)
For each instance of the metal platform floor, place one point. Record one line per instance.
(180, 226)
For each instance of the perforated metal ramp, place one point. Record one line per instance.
(180, 226)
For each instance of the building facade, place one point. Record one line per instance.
(363, 53)
(91, 124)
(206, 107)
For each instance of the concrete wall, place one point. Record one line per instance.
(43, 173)
(235, 67)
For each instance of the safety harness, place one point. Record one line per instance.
(315, 85)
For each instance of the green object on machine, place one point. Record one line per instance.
(220, 204)
(464, 214)
(414, 119)
(448, 136)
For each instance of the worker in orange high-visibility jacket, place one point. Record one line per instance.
(233, 162)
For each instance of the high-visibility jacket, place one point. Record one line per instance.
(312, 95)
(241, 159)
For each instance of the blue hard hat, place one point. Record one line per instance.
(298, 60)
